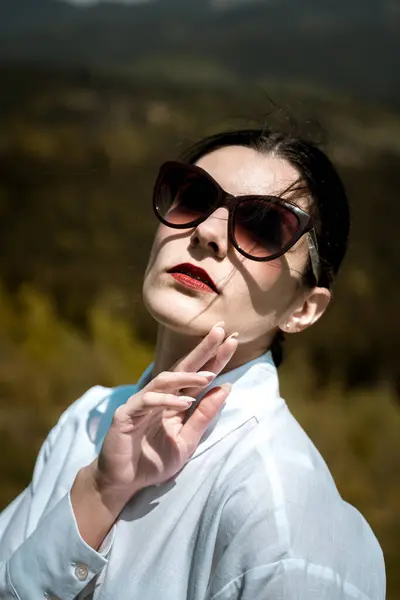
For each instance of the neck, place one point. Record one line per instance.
(172, 346)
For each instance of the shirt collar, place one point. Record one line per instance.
(254, 394)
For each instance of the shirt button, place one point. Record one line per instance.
(81, 572)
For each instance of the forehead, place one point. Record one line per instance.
(241, 171)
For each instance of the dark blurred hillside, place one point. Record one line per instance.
(17, 16)
(351, 45)
(79, 152)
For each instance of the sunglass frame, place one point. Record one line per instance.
(231, 202)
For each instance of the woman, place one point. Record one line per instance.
(198, 482)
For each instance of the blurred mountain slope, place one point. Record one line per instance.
(17, 16)
(79, 151)
(348, 45)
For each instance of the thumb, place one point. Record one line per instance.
(208, 408)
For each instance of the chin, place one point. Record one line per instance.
(182, 313)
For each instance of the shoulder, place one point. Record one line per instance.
(100, 398)
(77, 436)
(90, 415)
(282, 502)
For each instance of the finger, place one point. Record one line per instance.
(205, 412)
(159, 400)
(195, 360)
(144, 403)
(218, 362)
(223, 355)
(171, 382)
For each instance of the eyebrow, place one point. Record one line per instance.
(298, 189)
(296, 186)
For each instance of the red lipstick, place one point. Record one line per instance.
(193, 277)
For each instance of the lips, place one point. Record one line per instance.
(196, 273)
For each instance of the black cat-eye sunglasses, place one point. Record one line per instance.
(262, 228)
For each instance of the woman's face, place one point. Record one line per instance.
(253, 297)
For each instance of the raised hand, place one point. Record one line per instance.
(149, 441)
(151, 436)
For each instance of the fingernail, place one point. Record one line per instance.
(233, 335)
(208, 374)
(187, 399)
(220, 330)
(227, 387)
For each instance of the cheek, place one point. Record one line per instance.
(152, 256)
(159, 249)
(159, 239)
(262, 293)
(268, 275)
(284, 273)
(255, 288)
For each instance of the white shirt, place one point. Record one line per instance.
(254, 514)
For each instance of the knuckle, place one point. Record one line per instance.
(162, 377)
(146, 397)
(119, 414)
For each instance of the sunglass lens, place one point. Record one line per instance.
(263, 228)
(184, 196)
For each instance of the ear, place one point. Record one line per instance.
(311, 307)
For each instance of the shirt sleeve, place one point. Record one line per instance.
(53, 562)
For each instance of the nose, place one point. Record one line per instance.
(212, 234)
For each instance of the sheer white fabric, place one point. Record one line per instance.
(254, 514)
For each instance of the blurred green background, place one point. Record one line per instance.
(93, 98)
